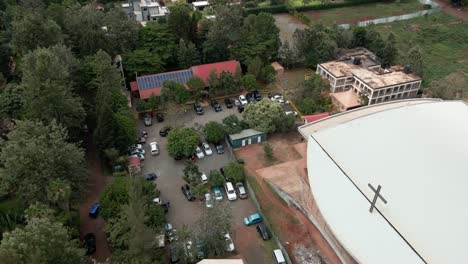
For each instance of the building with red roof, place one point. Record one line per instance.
(312, 118)
(145, 86)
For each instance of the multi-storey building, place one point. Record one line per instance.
(145, 10)
(358, 75)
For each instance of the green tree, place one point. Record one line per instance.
(26, 245)
(159, 39)
(214, 82)
(255, 67)
(227, 83)
(359, 37)
(268, 152)
(192, 173)
(180, 21)
(11, 100)
(47, 88)
(212, 226)
(143, 62)
(288, 55)
(59, 193)
(234, 172)
(315, 44)
(308, 106)
(263, 116)
(215, 179)
(214, 132)
(232, 124)
(182, 142)
(115, 195)
(249, 82)
(414, 58)
(267, 74)
(187, 55)
(174, 92)
(45, 154)
(451, 87)
(390, 52)
(34, 30)
(196, 86)
(183, 246)
(199, 190)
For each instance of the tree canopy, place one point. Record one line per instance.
(214, 132)
(182, 142)
(234, 172)
(264, 115)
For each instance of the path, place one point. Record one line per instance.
(453, 11)
(97, 182)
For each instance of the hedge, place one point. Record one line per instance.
(284, 9)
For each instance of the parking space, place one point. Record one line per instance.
(170, 180)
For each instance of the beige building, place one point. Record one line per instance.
(357, 74)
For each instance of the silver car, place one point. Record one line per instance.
(241, 190)
(208, 200)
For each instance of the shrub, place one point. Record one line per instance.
(268, 152)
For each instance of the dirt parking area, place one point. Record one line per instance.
(182, 212)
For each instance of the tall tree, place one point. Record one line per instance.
(158, 38)
(174, 92)
(414, 58)
(214, 132)
(143, 62)
(263, 115)
(11, 101)
(47, 88)
(187, 54)
(59, 193)
(227, 83)
(180, 21)
(182, 142)
(42, 240)
(287, 55)
(212, 226)
(255, 67)
(315, 44)
(45, 155)
(390, 51)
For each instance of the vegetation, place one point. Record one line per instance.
(214, 132)
(311, 98)
(234, 172)
(233, 125)
(174, 92)
(182, 142)
(268, 152)
(215, 179)
(265, 116)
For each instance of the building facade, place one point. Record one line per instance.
(145, 10)
(360, 72)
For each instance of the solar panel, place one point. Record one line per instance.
(154, 81)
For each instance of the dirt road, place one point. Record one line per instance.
(97, 182)
(453, 11)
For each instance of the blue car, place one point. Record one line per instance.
(218, 194)
(94, 210)
(253, 219)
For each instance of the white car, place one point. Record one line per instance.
(154, 148)
(229, 244)
(291, 113)
(242, 99)
(199, 153)
(207, 149)
(208, 200)
(278, 99)
(204, 178)
(231, 193)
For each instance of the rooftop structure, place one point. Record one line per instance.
(145, 10)
(416, 151)
(199, 5)
(152, 84)
(359, 71)
(345, 100)
(316, 117)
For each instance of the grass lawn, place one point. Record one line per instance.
(297, 3)
(443, 39)
(353, 14)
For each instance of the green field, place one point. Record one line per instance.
(443, 39)
(353, 14)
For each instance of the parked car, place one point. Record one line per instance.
(229, 244)
(228, 102)
(198, 108)
(218, 194)
(147, 120)
(230, 192)
(236, 102)
(291, 113)
(216, 106)
(139, 155)
(164, 131)
(89, 242)
(204, 178)
(240, 109)
(208, 200)
(141, 140)
(250, 98)
(207, 149)
(263, 231)
(137, 151)
(170, 232)
(160, 117)
(154, 148)
(252, 219)
(219, 148)
(150, 176)
(186, 191)
(278, 99)
(242, 100)
(199, 153)
(94, 210)
(174, 258)
(278, 257)
(257, 95)
(136, 146)
(241, 190)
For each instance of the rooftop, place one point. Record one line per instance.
(316, 117)
(245, 133)
(200, 3)
(349, 99)
(417, 153)
(204, 70)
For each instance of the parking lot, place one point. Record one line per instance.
(182, 212)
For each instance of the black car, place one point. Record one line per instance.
(90, 243)
(257, 95)
(186, 191)
(198, 108)
(240, 109)
(164, 131)
(151, 176)
(219, 148)
(216, 106)
(263, 231)
(228, 102)
(160, 117)
(250, 98)
(141, 140)
(200, 245)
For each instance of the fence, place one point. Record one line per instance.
(435, 8)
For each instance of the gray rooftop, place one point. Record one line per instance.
(245, 133)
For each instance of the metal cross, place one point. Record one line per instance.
(377, 195)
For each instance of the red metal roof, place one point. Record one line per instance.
(134, 86)
(204, 70)
(133, 161)
(313, 118)
(146, 94)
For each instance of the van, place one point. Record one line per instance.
(278, 257)
(231, 193)
(154, 148)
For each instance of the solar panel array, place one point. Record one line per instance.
(157, 80)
